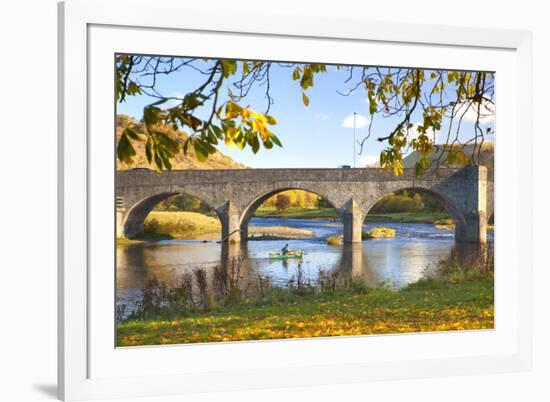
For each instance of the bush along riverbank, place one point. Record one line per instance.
(225, 305)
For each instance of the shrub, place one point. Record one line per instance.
(282, 202)
(335, 240)
(379, 233)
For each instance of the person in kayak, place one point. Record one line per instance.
(284, 250)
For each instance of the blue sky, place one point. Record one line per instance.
(317, 136)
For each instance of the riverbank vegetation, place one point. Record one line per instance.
(332, 214)
(335, 240)
(379, 233)
(180, 225)
(454, 298)
(278, 233)
(298, 213)
(194, 225)
(444, 224)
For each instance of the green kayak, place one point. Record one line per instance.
(290, 254)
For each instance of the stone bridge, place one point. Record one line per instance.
(467, 194)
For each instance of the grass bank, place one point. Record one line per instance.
(160, 225)
(407, 217)
(180, 225)
(457, 300)
(277, 233)
(331, 214)
(419, 309)
(298, 213)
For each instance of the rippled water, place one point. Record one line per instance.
(416, 249)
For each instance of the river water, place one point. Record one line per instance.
(415, 251)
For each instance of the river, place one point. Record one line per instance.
(413, 253)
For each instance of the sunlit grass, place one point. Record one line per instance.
(279, 232)
(181, 224)
(297, 213)
(407, 217)
(428, 306)
(379, 233)
(332, 214)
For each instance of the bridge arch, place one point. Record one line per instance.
(449, 205)
(134, 217)
(253, 204)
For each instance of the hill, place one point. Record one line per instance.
(217, 160)
(486, 156)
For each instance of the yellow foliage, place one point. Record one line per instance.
(379, 233)
(298, 198)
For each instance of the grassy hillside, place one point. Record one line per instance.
(486, 155)
(189, 161)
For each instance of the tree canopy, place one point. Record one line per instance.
(210, 116)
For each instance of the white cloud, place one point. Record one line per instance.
(369, 160)
(487, 115)
(360, 121)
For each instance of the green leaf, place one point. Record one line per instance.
(133, 89)
(275, 140)
(149, 149)
(158, 163)
(159, 102)
(271, 120)
(305, 99)
(192, 101)
(133, 134)
(212, 136)
(218, 131)
(164, 141)
(255, 144)
(186, 145)
(200, 152)
(151, 115)
(125, 149)
(229, 67)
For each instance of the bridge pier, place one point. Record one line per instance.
(352, 259)
(231, 251)
(352, 217)
(473, 229)
(472, 195)
(229, 217)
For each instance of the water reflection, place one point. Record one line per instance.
(414, 253)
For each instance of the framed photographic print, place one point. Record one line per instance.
(242, 199)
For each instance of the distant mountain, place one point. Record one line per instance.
(182, 161)
(486, 155)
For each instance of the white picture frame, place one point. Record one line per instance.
(89, 369)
